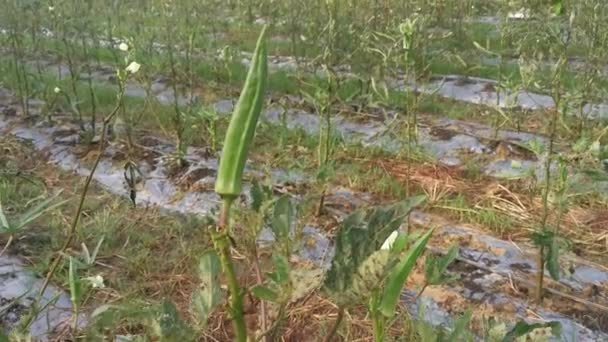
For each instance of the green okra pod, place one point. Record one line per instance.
(243, 123)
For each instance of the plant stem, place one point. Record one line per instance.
(540, 276)
(222, 245)
(260, 281)
(85, 51)
(335, 326)
(75, 318)
(378, 322)
(73, 80)
(177, 117)
(83, 195)
(541, 252)
(426, 284)
(321, 203)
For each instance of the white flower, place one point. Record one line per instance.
(96, 281)
(57, 90)
(224, 53)
(123, 47)
(133, 67)
(388, 243)
(51, 8)
(521, 14)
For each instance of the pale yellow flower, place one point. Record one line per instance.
(96, 281)
(133, 67)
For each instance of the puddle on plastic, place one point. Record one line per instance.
(19, 289)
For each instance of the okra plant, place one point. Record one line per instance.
(69, 46)
(228, 185)
(590, 33)
(178, 114)
(323, 97)
(16, 41)
(553, 40)
(413, 64)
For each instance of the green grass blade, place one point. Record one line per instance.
(399, 275)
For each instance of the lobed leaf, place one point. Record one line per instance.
(361, 234)
(209, 295)
(522, 328)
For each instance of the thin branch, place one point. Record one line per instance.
(83, 195)
(258, 275)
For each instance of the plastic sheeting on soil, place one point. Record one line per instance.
(482, 287)
(159, 189)
(466, 140)
(19, 289)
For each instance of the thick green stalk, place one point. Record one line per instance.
(222, 245)
(540, 275)
(378, 328)
(378, 322)
(552, 135)
(228, 184)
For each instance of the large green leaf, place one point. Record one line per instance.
(257, 195)
(427, 332)
(282, 218)
(557, 7)
(399, 274)
(361, 234)
(436, 267)
(281, 269)
(265, 293)
(522, 328)
(209, 295)
(75, 284)
(168, 325)
(553, 258)
(304, 281)
(369, 276)
(552, 243)
(460, 331)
